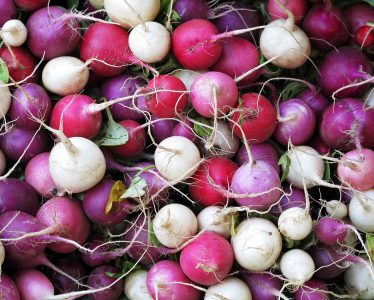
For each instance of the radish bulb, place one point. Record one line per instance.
(14, 33)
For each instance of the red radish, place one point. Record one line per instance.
(256, 117)
(170, 97)
(21, 64)
(213, 94)
(71, 114)
(357, 15)
(365, 37)
(33, 284)
(191, 9)
(14, 33)
(8, 288)
(31, 5)
(207, 259)
(136, 142)
(8, 11)
(298, 8)
(218, 170)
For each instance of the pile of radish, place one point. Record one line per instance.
(186, 149)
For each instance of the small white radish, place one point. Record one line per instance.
(295, 223)
(256, 244)
(65, 75)
(150, 42)
(336, 209)
(136, 286)
(98, 4)
(2, 162)
(129, 13)
(174, 224)
(213, 219)
(177, 158)
(297, 266)
(76, 167)
(14, 33)
(229, 289)
(5, 99)
(359, 281)
(361, 210)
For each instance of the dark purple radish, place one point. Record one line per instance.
(122, 86)
(317, 143)
(8, 11)
(95, 202)
(292, 197)
(357, 15)
(265, 152)
(315, 100)
(98, 255)
(17, 195)
(185, 129)
(353, 66)
(33, 284)
(162, 128)
(30, 100)
(296, 123)
(191, 9)
(8, 289)
(312, 289)
(166, 278)
(263, 286)
(50, 34)
(37, 174)
(326, 26)
(347, 125)
(18, 140)
(231, 16)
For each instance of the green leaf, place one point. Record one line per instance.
(4, 72)
(152, 236)
(73, 4)
(284, 162)
(370, 244)
(234, 221)
(202, 130)
(115, 195)
(371, 2)
(292, 89)
(273, 69)
(289, 243)
(327, 172)
(169, 65)
(165, 4)
(136, 189)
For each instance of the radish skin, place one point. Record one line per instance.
(5, 99)
(2, 162)
(213, 218)
(136, 286)
(14, 33)
(336, 209)
(361, 211)
(295, 223)
(297, 266)
(359, 281)
(229, 289)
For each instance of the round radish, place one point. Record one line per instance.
(8, 11)
(359, 281)
(191, 9)
(14, 33)
(229, 289)
(174, 224)
(31, 5)
(256, 244)
(8, 289)
(336, 209)
(150, 42)
(297, 7)
(5, 100)
(295, 223)
(177, 158)
(187, 76)
(65, 75)
(305, 266)
(213, 218)
(33, 284)
(361, 211)
(136, 286)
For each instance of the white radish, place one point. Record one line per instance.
(136, 286)
(78, 166)
(2, 162)
(295, 223)
(369, 98)
(5, 99)
(336, 209)
(361, 210)
(150, 42)
(213, 218)
(177, 158)
(359, 281)
(14, 33)
(98, 4)
(65, 75)
(187, 76)
(256, 244)
(297, 266)
(174, 224)
(229, 289)
(129, 13)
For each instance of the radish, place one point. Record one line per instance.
(264, 286)
(13, 33)
(356, 169)
(213, 218)
(130, 13)
(298, 8)
(257, 244)
(317, 101)
(174, 224)
(187, 76)
(185, 129)
(31, 5)
(76, 164)
(5, 100)
(312, 289)
(295, 223)
(33, 284)
(230, 288)
(100, 251)
(336, 209)
(162, 128)
(191, 9)
(65, 75)
(177, 158)
(305, 266)
(150, 42)
(2, 163)
(359, 281)
(166, 278)
(208, 259)
(357, 15)
(8, 11)
(136, 286)
(8, 288)
(292, 197)
(361, 210)
(213, 94)
(319, 145)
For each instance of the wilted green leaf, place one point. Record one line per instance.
(292, 89)
(115, 134)
(136, 189)
(73, 4)
(284, 162)
(327, 172)
(152, 237)
(202, 130)
(274, 71)
(234, 223)
(4, 72)
(370, 244)
(115, 195)
(169, 65)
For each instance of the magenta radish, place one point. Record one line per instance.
(357, 15)
(361, 210)
(346, 125)
(263, 286)
(33, 284)
(162, 128)
(50, 35)
(166, 278)
(230, 288)
(305, 266)
(216, 170)
(30, 100)
(98, 256)
(207, 259)
(297, 122)
(298, 8)
(8, 288)
(5, 100)
(131, 12)
(257, 244)
(331, 231)
(191, 9)
(177, 158)
(213, 218)
(295, 223)
(356, 169)
(213, 94)
(292, 197)
(185, 129)
(315, 100)
(228, 63)
(359, 281)
(136, 286)
(8, 11)
(17, 195)
(31, 5)
(312, 289)
(37, 174)
(13, 33)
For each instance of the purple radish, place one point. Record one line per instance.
(191, 9)
(162, 128)
(312, 289)
(316, 101)
(293, 197)
(185, 129)
(8, 289)
(263, 286)
(98, 256)
(8, 11)
(331, 231)
(33, 284)
(357, 15)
